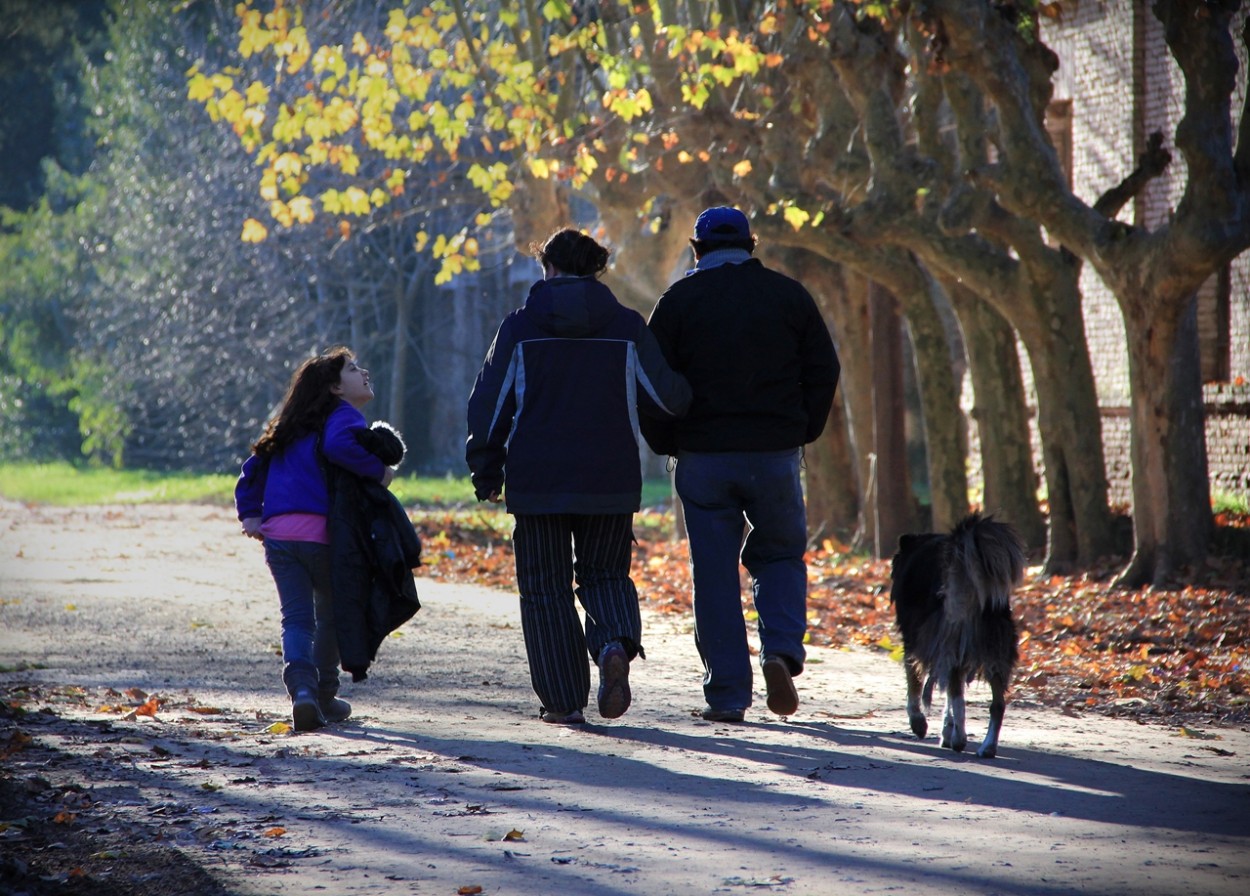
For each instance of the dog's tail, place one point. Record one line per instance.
(985, 562)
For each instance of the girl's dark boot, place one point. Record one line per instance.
(332, 708)
(301, 684)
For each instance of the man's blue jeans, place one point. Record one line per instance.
(722, 494)
(310, 648)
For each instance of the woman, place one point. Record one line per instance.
(553, 431)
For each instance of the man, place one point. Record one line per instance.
(763, 371)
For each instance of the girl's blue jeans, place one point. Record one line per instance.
(310, 650)
(748, 506)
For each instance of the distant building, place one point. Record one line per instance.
(1117, 83)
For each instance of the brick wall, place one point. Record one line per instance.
(1122, 84)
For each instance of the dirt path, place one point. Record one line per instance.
(443, 780)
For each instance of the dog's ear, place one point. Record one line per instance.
(906, 542)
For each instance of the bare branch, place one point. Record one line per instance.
(1154, 162)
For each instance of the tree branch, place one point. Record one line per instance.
(1154, 162)
(1198, 33)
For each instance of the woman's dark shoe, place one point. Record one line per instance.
(614, 695)
(554, 717)
(723, 715)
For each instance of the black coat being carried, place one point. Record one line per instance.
(373, 551)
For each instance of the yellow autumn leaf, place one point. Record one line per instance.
(281, 213)
(257, 94)
(274, 832)
(199, 88)
(288, 164)
(301, 209)
(796, 217)
(278, 728)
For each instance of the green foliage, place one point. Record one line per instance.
(43, 283)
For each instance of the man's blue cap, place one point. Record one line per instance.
(721, 224)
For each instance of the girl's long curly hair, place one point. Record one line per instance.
(308, 401)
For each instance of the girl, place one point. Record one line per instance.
(282, 500)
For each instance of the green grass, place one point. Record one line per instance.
(1223, 502)
(63, 484)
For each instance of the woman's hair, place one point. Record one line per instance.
(308, 401)
(572, 252)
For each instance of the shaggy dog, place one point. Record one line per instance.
(952, 603)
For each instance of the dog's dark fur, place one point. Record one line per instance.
(952, 603)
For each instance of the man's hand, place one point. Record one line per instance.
(251, 528)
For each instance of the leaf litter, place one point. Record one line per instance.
(1173, 656)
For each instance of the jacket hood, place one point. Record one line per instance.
(571, 306)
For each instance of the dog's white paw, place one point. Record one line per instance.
(954, 736)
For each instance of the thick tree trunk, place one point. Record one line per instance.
(833, 490)
(1002, 417)
(890, 507)
(1171, 529)
(945, 429)
(838, 499)
(1070, 426)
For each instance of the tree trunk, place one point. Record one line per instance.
(945, 430)
(398, 384)
(1170, 529)
(1042, 301)
(1002, 418)
(836, 492)
(890, 502)
(833, 490)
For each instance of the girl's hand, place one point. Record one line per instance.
(251, 528)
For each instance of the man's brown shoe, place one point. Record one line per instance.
(783, 699)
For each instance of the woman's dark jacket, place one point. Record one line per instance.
(373, 550)
(556, 405)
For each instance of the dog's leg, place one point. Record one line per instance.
(915, 711)
(953, 733)
(998, 707)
